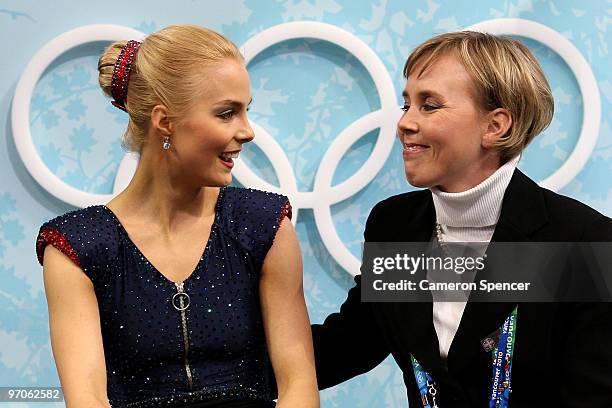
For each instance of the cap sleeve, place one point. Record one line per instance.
(49, 235)
(254, 216)
(285, 211)
(75, 234)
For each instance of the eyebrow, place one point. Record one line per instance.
(232, 103)
(424, 94)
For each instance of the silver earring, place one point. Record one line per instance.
(166, 143)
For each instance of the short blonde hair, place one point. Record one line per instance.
(167, 70)
(505, 74)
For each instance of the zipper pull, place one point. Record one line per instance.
(180, 300)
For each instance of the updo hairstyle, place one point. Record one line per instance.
(168, 70)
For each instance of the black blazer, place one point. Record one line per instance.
(563, 351)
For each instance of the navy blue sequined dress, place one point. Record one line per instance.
(164, 349)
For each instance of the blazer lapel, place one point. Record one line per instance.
(416, 335)
(523, 212)
(414, 329)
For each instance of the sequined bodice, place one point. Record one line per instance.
(167, 343)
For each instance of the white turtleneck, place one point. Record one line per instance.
(468, 216)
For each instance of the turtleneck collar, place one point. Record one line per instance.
(479, 206)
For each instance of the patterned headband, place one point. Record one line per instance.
(121, 73)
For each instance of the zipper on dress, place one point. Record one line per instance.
(183, 301)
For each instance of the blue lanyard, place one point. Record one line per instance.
(424, 381)
(502, 370)
(500, 389)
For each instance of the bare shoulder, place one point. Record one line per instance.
(284, 258)
(60, 273)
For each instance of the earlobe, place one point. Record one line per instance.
(498, 125)
(160, 120)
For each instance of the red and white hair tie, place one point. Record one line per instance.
(121, 73)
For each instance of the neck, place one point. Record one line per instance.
(159, 196)
(473, 176)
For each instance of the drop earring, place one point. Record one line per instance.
(166, 143)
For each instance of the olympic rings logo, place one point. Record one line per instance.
(323, 195)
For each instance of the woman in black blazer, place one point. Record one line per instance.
(473, 102)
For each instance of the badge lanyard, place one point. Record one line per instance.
(502, 370)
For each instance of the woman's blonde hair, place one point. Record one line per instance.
(168, 70)
(505, 74)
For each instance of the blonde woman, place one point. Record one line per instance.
(472, 103)
(180, 291)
